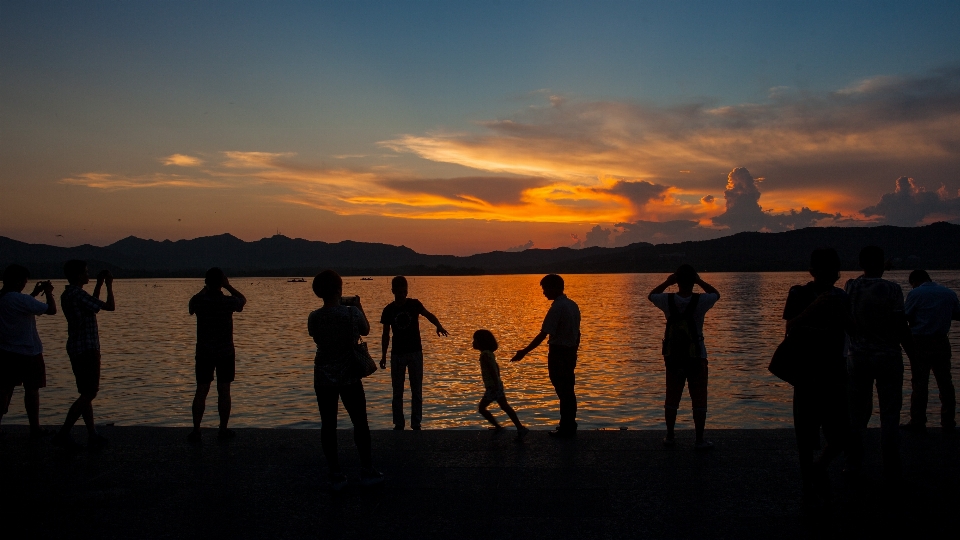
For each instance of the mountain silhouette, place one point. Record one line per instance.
(932, 246)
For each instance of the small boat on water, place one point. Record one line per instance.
(297, 280)
(366, 279)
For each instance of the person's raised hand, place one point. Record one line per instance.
(37, 288)
(519, 356)
(107, 277)
(47, 286)
(224, 282)
(671, 280)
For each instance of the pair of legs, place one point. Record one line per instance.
(816, 406)
(355, 402)
(29, 371)
(225, 367)
(561, 363)
(932, 353)
(501, 400)
(400, 364)
(693, 373)
(886, 371)
(86, 369)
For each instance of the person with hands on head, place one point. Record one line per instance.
(21, 351)
(215, 351)
(562, 326)
(402, 316)
(684, 351)
(83, 347)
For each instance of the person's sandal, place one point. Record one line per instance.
(337, 480)
(371, 477)
(703, 445)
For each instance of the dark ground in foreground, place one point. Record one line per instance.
(270, 483)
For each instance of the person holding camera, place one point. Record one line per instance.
(83, 347)
(21, 352)
(684, 352)
(215, 351)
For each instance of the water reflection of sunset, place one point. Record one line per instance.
(148, 352)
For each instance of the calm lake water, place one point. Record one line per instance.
(148, 343)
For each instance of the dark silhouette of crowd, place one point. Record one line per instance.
(839, 345)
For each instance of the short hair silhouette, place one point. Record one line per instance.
(214, 277)
(552, 281)
(872, 259)
(917, 276)
(73, 268)
(14, 275)
(398, 282)
(686, 276)
(327, 284)
(824, 263)
(485, 341)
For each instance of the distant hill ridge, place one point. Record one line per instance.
(935, 246)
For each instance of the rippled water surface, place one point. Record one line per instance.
(147, 347)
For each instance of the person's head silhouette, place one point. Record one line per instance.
(15, 278)
(825, 265)
(872, 261)
(328, 286)
(76, 272)
(686, 277)
(917, 278)
(399, 288)
(483, 340)
(552, 286)
(214, 278)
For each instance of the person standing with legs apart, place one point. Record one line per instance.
(21, 352)
(562, 325)
(215, 351)
(83, 347)
(336, 329)
(817, 315)
(684, 350)
(929, 309)
(879, 327)
(403, 317)
(484, 342)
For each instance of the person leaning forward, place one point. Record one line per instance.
(21, 352)
(562, 325)
(215, 350)
(83, 347)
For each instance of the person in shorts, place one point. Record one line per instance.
(685, 359)
(484, 342)
(403, 317)
(83, 347)
(21, 352)
(215, 350)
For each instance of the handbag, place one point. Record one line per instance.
(362, 361)
(788, 363)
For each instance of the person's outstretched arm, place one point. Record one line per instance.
(533, 345)
(671, 280)
(384, 345)
(708, 288)
(441, 331)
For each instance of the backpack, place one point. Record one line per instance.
(682, 338)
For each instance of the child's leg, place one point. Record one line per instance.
(482, 409)
(505, 407)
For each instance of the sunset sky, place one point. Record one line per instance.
(462, 127)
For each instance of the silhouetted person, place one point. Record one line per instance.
(562, 325)
(403, 317)
(21, 352)
(336, 329)
(874, 356)
(215, 351)
(817, 315)
(684, 351)
(484, 342)
(929, 309)
(83, 347)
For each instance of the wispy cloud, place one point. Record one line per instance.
(182, 160)
(113, 182)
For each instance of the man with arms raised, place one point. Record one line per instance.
(562, 325)
(215, 350)
(403, 316)
(83, 347)
(21, 352)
